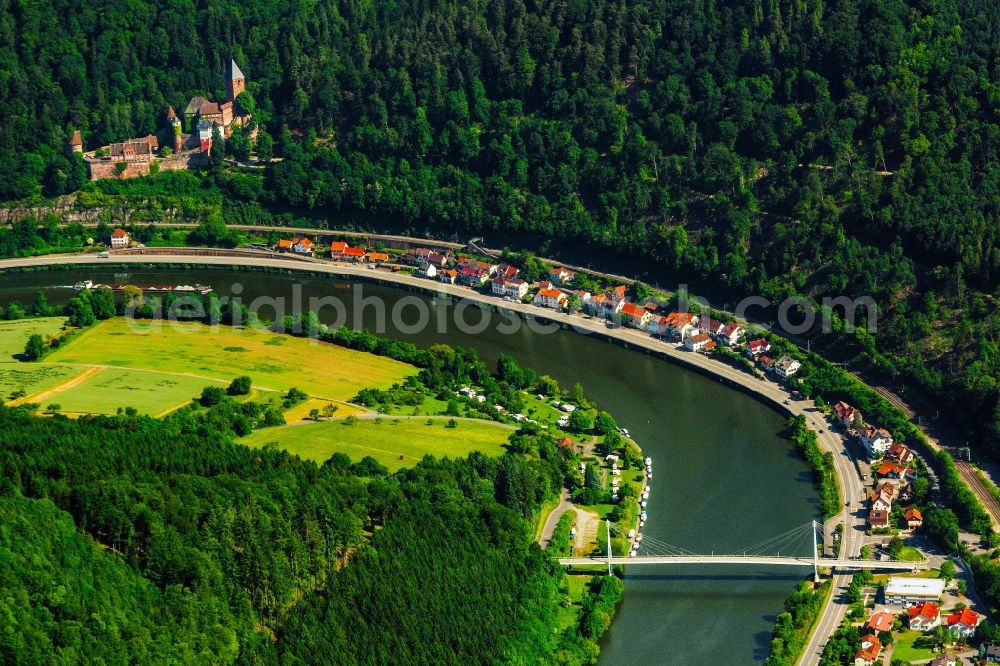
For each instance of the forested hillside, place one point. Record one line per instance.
(131, 540)
(770, 146)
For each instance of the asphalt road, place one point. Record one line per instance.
(765, 390)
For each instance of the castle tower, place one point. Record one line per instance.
(76, 142)
(175, 129)
(235, 82)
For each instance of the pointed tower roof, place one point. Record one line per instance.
(170, 113)
(235, 72)
(76, 139)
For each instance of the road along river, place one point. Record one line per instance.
(724, 478)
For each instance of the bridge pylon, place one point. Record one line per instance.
(607, 524)
(815, 552)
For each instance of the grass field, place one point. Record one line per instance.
(32, 378)
(14, 334)
(300, 412)
(905, 647)
(273, 361)
(110, 388)
(393, 442)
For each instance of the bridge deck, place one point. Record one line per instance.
(744, 561)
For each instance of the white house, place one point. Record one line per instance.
(636, 316)
(731, 334)
(963, 623)
(786, 366)
(550, 298)
(510, 287)
(757, 347)
(677, 325)
(910, 591)
(448, 276)
(875, 440)
(697, 342)
(302, 246)
(924, 616)
(429, 270)
(119, 239)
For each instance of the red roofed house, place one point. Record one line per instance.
(731, 333)
(766, 362)
(337, 248)
(899, 453)
(565, 443)
(448, 276)
(302, 246)
(891, 470)
(881, 621)
(561, 276)
(677, 324)
(355, 253)
(870, 650)
(924, 616)
(550, 298)
(636, 316)
(378, 257)
(913, 517)
(698, 342)
(845, 414)
(757, 347)
(284, 245)
(119, 239)
(878, 518)
(963, 623)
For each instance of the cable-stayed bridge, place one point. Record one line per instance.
(651, 551)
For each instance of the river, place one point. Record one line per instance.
(723, 476)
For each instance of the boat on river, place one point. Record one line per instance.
(200, 289)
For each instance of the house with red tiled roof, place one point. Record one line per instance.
(119, 239)
(677, 325)
(337, 248)
(924, 616)
(698, 342)
(551, 298)
(76, 142)
(963, 623)
(882, 621)
(378, 257)
(846, 414)
(766, 362)
(561, 276)
(914, 519)
(757, 347)
(878, 518)
(302, 246)
(870, 650)
(636, 316)
(899, 453)
(356, 254)
(284, 245)
(448, 276)
(711, 326)
(565, 443)
(731, 334)
(891, 470)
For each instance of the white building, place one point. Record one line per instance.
(875, 440)
(428, 270)
(910, 591)
(786, 366)
(550, 298)
(119, 239)
(697, 342)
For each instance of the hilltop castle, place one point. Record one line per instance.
(134, 157)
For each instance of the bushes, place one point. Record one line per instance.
(792, 627)
(821, 464)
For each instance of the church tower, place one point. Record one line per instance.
(235, 82)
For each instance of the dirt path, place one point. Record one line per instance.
(76, 380)
(587, 523)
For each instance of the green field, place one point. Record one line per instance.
(14, 334)
(905, 647)
(150, 392)
(274, 361)
(32, 378)
(393, 442)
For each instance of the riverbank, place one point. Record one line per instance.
(769, 393)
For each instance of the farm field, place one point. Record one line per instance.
(14, 334)
(393, 442)
(273, 361)
(32, 378)
(107, 389)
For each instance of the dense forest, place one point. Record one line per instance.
(768, 146)
(131, 540)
